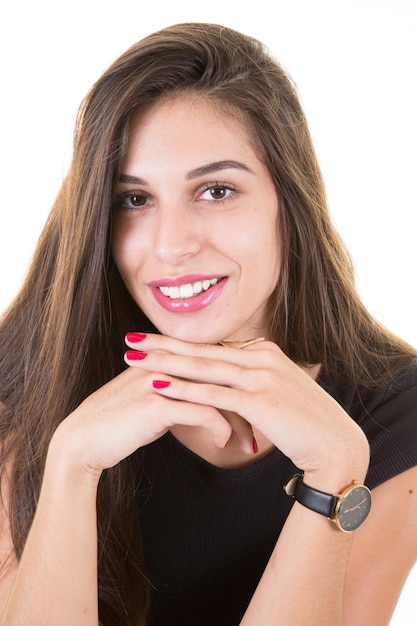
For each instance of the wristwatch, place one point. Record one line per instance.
(348, 509)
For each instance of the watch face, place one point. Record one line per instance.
(353, 508)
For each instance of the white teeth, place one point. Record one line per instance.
(188, 290)
(174, 292)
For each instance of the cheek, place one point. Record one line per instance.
(127, 250)
(271, 266)
(118, 252)
(266, 250)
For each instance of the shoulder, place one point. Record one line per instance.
(360, 400)
(388, 417)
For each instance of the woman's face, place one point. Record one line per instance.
(196, 216)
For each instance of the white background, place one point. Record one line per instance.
(354, 63)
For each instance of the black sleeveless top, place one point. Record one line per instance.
(208, 532)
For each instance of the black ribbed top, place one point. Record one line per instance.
(208, 532)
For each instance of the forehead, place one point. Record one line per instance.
(189, 122)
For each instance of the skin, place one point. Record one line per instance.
(214, 395)
(175, 225)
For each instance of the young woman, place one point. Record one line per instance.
(189, 341)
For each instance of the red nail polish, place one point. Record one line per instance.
(254, 445)
(135, 337)
(132, 355)
(160, 384)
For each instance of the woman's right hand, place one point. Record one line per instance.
(124, 415)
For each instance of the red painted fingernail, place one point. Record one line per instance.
(160, 384)
(254, 445)
(135, 337)
(132, 355)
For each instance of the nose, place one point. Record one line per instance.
(177, 234)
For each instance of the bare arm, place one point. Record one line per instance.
(303, 582)
(56, 579)
(317, 575)
(313, 572)
(383, 553)
(320, 576)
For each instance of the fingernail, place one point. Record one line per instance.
(135, 337)
(254, 445)
(160, 384)
(132, 355)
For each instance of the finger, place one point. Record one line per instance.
(243, 370)
(201, 394)
(191, 414)
(242, 431)
(127, 414)
(195, 368)
(161, 343)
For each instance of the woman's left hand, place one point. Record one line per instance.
(262, 385)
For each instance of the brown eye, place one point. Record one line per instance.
(131, 201)
(134, 200)
(217, 193)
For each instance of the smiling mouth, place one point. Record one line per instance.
(189, 290)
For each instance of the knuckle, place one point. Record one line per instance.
(197, 347)
(212, 394)
(152, 399)
(265, 377)
(200, 363)
(213, 421)
(269, 376)
(209, 414)
(244, 376)
(269, 358)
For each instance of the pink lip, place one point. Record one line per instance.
(186, 305)
(177, 281)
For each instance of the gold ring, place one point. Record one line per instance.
(231, 343)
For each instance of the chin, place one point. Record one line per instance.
(199, 338)
(190, 334)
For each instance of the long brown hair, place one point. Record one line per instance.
(62, 337)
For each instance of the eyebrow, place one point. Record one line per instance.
(209, 168)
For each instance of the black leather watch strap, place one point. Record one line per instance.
(318, 501)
